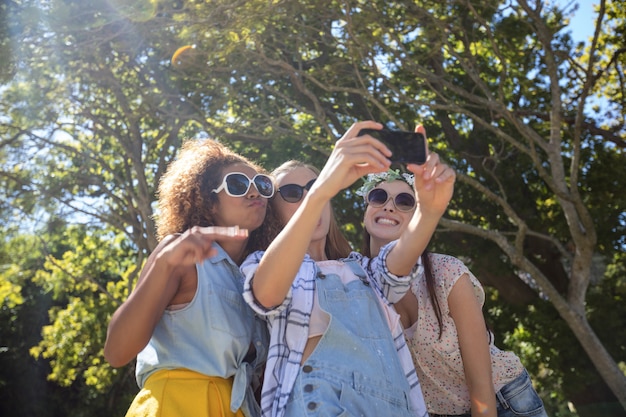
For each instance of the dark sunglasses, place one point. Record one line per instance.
(292, 193)
(377, 197)
(237, 184)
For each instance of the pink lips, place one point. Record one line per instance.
(258, 202)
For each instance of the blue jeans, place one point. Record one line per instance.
(518, 398)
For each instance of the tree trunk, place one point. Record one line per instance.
(604, 363)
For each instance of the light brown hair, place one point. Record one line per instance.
(337, 246)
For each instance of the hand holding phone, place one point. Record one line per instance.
(406, 147)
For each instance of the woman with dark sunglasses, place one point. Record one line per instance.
(198, 345)
(332, 351)
(459, 367)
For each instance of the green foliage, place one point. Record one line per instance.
(545, 344)
(79, 280)
(78, 277)
(10, 293)
(94, 109)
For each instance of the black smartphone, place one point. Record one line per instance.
(406, 147)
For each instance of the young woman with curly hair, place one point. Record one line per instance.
(198, 345)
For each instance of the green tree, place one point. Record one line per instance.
(86, 279)
(97, 109)
(503, 88)
(78, 385)
(23, 379)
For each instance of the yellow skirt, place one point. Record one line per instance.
(183, 393)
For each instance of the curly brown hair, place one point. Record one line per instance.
(185, 197)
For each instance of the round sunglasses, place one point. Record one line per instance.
(377, 197)
(237, 184)
(292, 193)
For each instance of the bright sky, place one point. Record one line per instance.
(581, 24)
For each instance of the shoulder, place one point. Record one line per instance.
(156, 262)
(254, 257)
(447, 270)
(250, 264)
(447, 264)
(356, 256)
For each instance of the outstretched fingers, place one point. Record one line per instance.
(196, 244)
(369, 149)
(434, 184)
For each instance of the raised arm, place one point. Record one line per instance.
(434, 186)
(352, 158)
(132, 324)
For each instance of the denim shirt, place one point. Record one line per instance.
(212, 334)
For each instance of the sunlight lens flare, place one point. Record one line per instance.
(182, 55)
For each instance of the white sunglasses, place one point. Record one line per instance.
(237, 184)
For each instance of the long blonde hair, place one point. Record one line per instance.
(337, 246)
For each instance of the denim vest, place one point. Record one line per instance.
(212, 334)
(354, 370)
